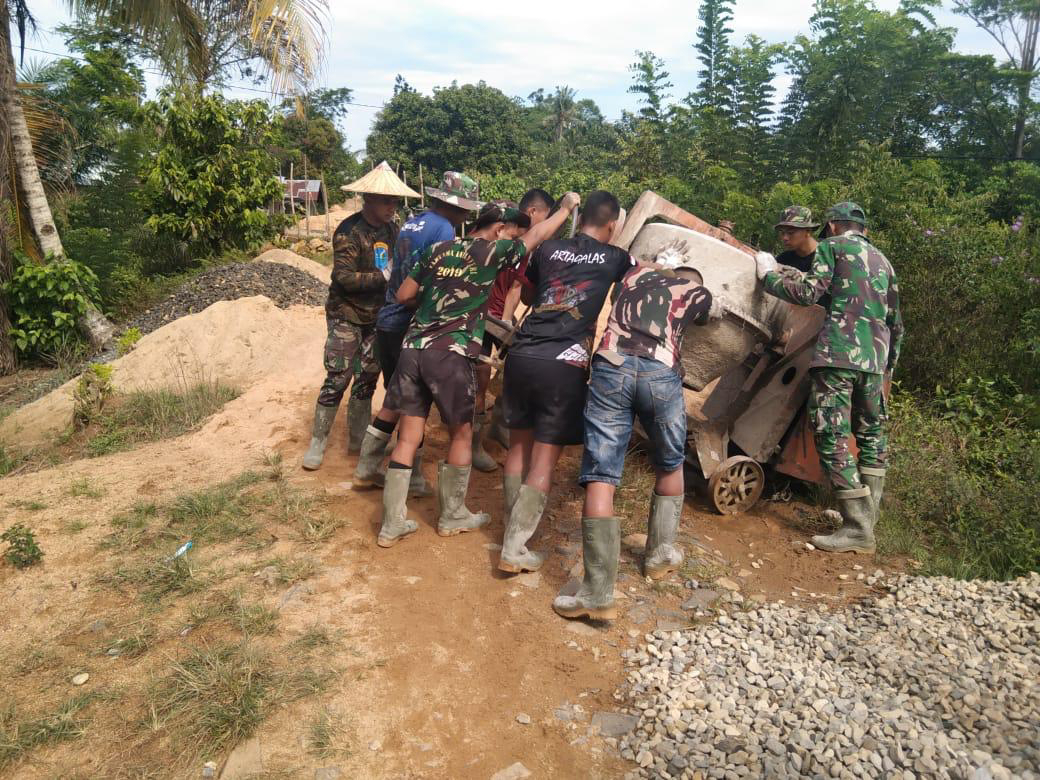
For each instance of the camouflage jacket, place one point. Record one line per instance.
(650, 312)
(863, 329)
(455, 279)
(360, 252)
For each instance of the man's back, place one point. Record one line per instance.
(418, 233)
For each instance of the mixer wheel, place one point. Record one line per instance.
(736, 485)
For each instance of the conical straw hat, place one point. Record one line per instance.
(381, 180)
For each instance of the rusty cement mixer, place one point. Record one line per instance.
(746, 375)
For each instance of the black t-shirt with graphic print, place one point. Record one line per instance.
(572, 277)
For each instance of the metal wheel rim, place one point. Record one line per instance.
(736, 485)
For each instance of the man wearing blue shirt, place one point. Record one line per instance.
(450, 204)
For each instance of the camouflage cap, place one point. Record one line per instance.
(457, 189)
(797, 217)
(846, 211)
(500, 211)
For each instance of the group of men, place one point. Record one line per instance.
(413, 303)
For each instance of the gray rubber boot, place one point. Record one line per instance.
(367, 473)
(601, 546)
(510, 488)
(481, 460)
(874, 478)
(452, 483)
(520, 526)
(497, 430)
(662, 555)
(396, 523)
(359, 414)
(418, 487)
(857, 530)
(323, 417)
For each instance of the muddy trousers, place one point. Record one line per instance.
(349, 354)
(843, 403)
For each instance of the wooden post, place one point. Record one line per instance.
(306, 198)
(406, 197)
(292, 205)
(422, 190)
(325, 200)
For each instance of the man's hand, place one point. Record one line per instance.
(719, 306)
(764, 263)
(672, 254)
(386, 272)
(570, 201)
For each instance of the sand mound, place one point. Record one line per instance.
(238, 342)
(316, 223)
(286, 257)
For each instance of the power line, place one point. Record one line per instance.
(266, 92)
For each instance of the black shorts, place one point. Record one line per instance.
(388, 352)
(546, 396)
(491, 342)
(427, 376)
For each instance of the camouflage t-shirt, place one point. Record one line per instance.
(455, 279)
(572, 277)
(863, 329)
(651, 310)
(360, 252)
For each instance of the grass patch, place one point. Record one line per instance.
(315, 637)
(251, 619)
(134, 645)
(29, 506)
(18, 736)
(73, 526)
(156, 580)
(83, 488)
(292, 570)
(325, 731)
(217, 514)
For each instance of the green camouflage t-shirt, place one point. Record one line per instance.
(455, 280)
(863, 329)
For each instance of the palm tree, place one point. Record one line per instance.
(563, 112)
(287, 36)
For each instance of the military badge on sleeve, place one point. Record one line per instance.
(381, 253)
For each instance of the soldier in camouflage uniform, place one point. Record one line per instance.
(449, 287)
(361, 248)
(856, 351)
(636, 372)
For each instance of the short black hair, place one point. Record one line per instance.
(537, 197)
(600, 208)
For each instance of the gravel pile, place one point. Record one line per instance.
(938, 678)
(283, 284)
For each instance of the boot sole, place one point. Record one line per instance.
(660, 574)
(513, 568)
(365, 484)
(858, 550)
(594, 613)
(311, 466)
(382, 541)
(457, 531)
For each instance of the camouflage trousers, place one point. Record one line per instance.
(845, 402)
(349, 354)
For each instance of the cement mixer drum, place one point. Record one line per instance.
(754, 317)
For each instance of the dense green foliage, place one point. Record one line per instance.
(22, 550)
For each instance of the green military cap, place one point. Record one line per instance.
(797, 217)
(846, 211)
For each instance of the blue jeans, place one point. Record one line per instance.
(617, 394)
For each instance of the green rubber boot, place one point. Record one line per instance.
(396, 523)
(497, 430)
(481, 460)
(510, 488)
(520, 526)
(601, 546)
(874, 478)
(359, 413)
(373, 448)
(452, 483)
(323, 417)
(662, 555)
(857, 530)
(418, 487)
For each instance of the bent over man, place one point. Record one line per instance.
(856, 351)
(361, 249)
(449, 286)
(636, 372)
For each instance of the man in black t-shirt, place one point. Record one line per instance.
(567, 282)
(795, 231)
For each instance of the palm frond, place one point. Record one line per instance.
(289, 36)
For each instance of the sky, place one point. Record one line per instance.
(520, 48)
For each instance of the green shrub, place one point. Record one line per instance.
(22, 550)
(127, 340)
(963, 486)
(46, 301)
(91, 393)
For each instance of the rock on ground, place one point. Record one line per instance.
(939, 678)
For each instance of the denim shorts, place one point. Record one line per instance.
(640, 387)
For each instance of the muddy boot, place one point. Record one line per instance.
(359, 413)
(662, 555)
(874, 478)
(367, 473)
(857, 530)
(601, 546)
(396, 523)
(497, 430)
(510, 488)
(481, 460)
(418, 487)
(452, 482)
(323, 417)
(520, 526)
